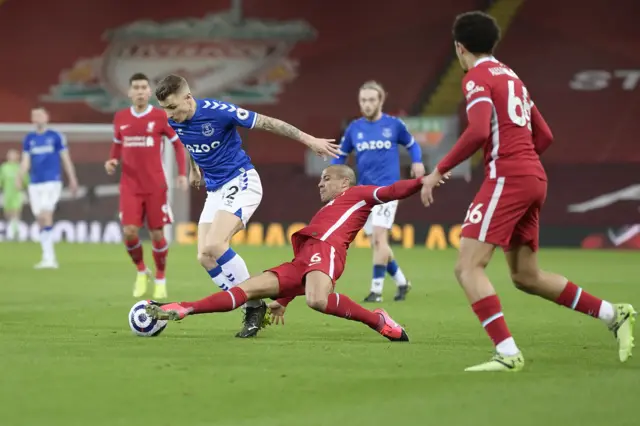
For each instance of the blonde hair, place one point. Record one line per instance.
(374, 85)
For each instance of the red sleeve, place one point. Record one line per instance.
(475, 135)
(117, 136)
(116, 150)
(396, 191)
(542, 136)
(181, 159)
(284, 301)
(169, 132)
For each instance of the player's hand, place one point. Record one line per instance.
(430, 182)
(277, 312)
(73, 187)
(110, 166)
(417, 170)
(182, 183)
(195, 178)
(323, 147)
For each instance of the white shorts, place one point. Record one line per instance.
(44, 196)
(240, 196)
(382, 215)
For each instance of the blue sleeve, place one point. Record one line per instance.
(346, 146)
(405, 138)
(61, 142)
(231, 115)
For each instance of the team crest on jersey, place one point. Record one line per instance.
(207, 129)
(150, 126)
(386, 132)
(360, 135)
(240, 61)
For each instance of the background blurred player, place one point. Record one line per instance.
(320, 252)
(42, 152)
(207, 128)
(12, 196)
(506, 209)
(375, 137)
(138, 144)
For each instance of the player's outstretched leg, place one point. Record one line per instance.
(134, 248)
(527, 276)
(472, 259)
(228, 269)
(160, 253)
(264, 285)
(318, 291)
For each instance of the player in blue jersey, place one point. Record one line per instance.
(375, 138)
(44, 154)
(207, 128)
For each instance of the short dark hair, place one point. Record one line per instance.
(170, 85)
(477, 31)
(138, 76)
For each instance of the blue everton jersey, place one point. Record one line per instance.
(376, 146)
(213, 141)
(44, 149)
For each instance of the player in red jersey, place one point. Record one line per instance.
(320, 251)
(505, 212)
(137, 146)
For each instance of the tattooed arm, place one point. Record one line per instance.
(279, 127)
(322, 147)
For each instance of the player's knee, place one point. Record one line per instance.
(317, 302)
(466, 266)
(157, 234)
(525, 280)
(206, 258)
(130, 232)
(216, 247)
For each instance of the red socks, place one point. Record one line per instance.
(341, 306)
(134, 247)
(489, 312)
(223, 301)
(160, 252)
(573, 297)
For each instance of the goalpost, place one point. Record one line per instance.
(13, 133)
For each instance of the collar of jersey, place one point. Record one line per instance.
(485, 59)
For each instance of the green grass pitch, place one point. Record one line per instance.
(69, 358)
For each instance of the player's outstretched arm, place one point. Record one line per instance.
(396, 191)
(322, 147)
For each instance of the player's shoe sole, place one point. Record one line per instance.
(622, 329)
(166, 311)
(500, 363)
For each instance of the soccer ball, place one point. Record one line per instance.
(142, 324)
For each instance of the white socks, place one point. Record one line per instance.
(46, 242)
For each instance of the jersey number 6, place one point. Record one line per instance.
(519, 107)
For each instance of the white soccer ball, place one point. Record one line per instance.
(142, 324)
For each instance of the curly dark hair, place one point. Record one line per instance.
(477, 31)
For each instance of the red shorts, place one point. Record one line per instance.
(506, 212)
(309, 255)
(134, 208)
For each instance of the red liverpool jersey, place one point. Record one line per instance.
(140, 136)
